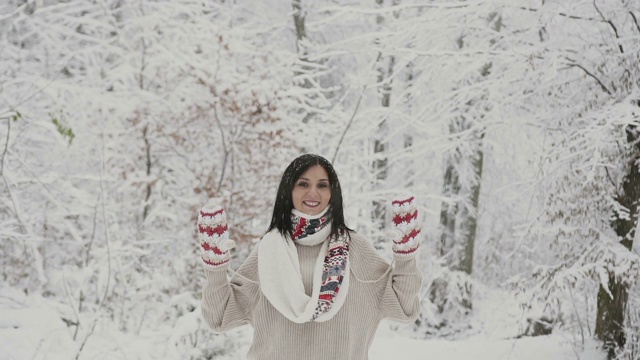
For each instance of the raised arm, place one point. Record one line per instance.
(401, 295)
(225, 304)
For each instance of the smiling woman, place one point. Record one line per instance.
(312, 288)
(309, 186)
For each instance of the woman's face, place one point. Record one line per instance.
(312, 191)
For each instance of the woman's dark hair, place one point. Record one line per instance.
(281, 218)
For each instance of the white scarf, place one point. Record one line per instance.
(281, 278)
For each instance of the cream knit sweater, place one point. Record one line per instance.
(376, 291)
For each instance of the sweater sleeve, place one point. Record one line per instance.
(229, 303)
(401, 300)
(396, 287)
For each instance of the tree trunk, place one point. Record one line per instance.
(298, 22)
(301, 37)
(611, 310)
(459, 219)
(448, 214)
(380, 162)
(470, 216)
(380, 171)
(610, 316)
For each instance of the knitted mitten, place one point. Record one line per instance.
(213, 234)
(405, 227)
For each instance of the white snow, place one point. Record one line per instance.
(543, 347)
(31, 328)
(33, 333)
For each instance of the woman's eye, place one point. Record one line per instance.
(303, 184)
(323, 185)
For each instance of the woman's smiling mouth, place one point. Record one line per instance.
(310, 203)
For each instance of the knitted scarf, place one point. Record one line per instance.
(281, 278)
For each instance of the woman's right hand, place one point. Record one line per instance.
(213, 233)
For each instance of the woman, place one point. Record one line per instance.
(312, 288)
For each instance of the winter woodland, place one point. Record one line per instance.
(515, 123)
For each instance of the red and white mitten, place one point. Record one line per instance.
(213, 233)
(405, 227)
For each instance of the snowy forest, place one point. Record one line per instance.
(516, 124)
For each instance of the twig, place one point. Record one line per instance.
(615, 30)
(635, 20)
(225, 147)
(84, 342)
(388, 9)
(593, 76)
(38, 348)
(575, 17)
(53, 197)
(6, 146)
(353, 116)
(216, 117)
(71, 304)
(13, 201)
(106, 228)
(577, 315)
(586, 300)
(355, 111)
(609, 177)
(147, 147)
(93, 232)
(144, 314)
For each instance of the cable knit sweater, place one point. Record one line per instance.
(376, 291)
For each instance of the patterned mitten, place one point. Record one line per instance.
(213, 233)
(405, 227)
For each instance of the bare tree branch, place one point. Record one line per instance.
(575, 17)
(106, 234)
(13, 202)
(225, 148)
(6, 146)
(355, 111)
(635, 20)
(615, 30)
(593, 76)
(609, 177)
(84, 342)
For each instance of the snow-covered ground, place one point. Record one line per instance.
(31, 328)
(536, 348)
(490, 335)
